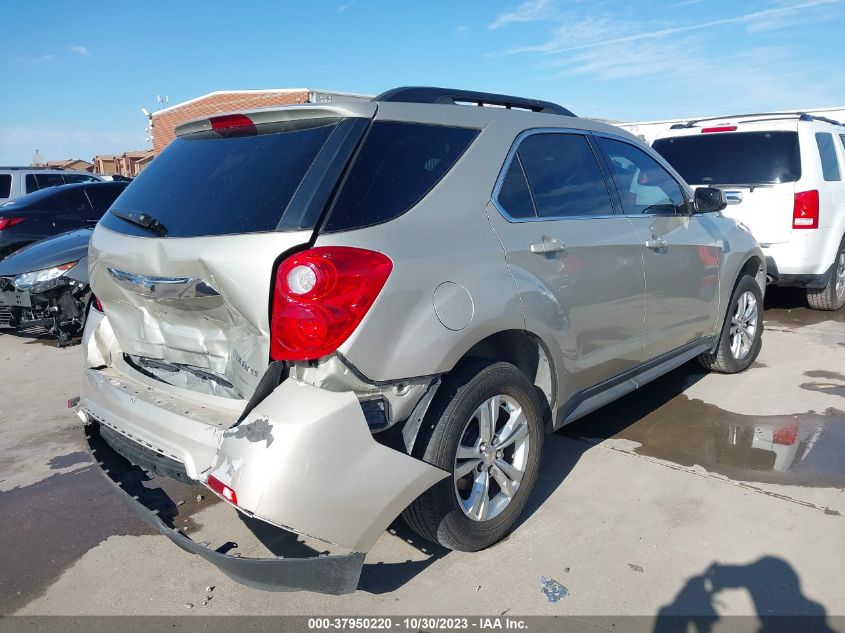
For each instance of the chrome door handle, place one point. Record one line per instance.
(548, 246)
(656, 244)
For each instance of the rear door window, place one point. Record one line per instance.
(734, 158)
(71, 178)
(5, 185)
(34, 182)
(827, 152)
(644, 186)
(208, 185)
(397, 165)
(564, 176)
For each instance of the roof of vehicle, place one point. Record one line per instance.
(427, 104)
(47, 170)
(48, 192)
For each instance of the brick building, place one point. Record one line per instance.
(128, 164)
(164, 121)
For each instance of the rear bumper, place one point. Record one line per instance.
(775, 276)
(336, 574)
(804, 259)
(303, 459)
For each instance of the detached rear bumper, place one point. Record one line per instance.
(303, 460)
(336, 574)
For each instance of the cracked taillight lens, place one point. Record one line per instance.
(320, 296)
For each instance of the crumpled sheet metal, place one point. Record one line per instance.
(304, 459)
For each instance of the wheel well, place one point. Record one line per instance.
(528, 354)
(754, 268)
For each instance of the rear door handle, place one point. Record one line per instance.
(656, 244)
(548, 246)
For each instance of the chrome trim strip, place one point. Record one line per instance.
(163, 287)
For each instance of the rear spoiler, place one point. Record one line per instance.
(285, 114)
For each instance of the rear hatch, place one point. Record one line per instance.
(756, 168)
(184, 260)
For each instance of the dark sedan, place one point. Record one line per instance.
(54, 210)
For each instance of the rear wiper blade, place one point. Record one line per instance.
(143, 220)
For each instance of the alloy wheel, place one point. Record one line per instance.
(491, 458)
(744, 325)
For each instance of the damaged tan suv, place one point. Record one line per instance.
(332, 314)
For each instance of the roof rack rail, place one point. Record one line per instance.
(425, 94)
(802, 116)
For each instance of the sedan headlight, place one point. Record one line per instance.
(41, 280)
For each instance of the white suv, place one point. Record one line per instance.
(19, 181)
(783, 178)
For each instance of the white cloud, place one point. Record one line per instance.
(345, 6)
(36, 59)
(462, 31)
(594, 31)
(528, 11)
(771, 79)
(79, 50)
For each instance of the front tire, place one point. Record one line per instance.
(485, 428)
(832, 295)
(742, 333)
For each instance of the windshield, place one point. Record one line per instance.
(734, 158)
(217, 186)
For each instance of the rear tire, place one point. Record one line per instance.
(742, 332)
(832, 295)
(471, 511)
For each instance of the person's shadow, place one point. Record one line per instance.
(774, 587)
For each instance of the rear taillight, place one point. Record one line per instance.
(222, 489)
(227, 125)
(805, 211)
(5, 223)
(96, 304)
(785, 435)
(320, 296)
(720, 128)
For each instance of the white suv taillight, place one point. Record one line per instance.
(319, 298)
(805, 211)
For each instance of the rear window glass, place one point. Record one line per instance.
(735, 158)
(827, 151)
(102, 196)
(5, 185)
(398, 164)
(217, 186)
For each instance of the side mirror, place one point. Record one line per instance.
(709, 200)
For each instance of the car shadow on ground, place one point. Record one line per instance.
(773, 586)
(35, 336)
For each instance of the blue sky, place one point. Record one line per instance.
(76, 76)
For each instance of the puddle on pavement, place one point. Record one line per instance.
(71, 459)
(803, 448)
(786, 309)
